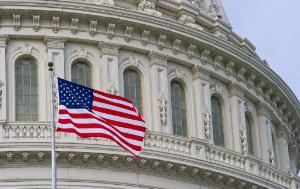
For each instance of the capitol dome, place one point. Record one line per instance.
(218, 117)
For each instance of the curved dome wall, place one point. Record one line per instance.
(218, 116)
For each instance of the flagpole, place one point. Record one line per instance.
(53, 153)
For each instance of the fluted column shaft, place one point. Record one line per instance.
(3, 86)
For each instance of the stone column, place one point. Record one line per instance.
(265, 133)
(55, 54)
(281, 134)
(237, 110)
(202, 103)
(159, 92)
(293, 159)
(3, 86)
(109, 67)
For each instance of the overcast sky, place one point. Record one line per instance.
(273, 26)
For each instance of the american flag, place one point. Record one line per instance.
(91, 113)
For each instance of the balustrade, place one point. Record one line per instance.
(159, 142)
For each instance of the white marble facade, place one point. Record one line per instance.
(188, 41)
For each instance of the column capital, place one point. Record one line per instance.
(3, 40)
(108, 48)
(158, 59)
(263, 110)
(201, 73)
(236, 90)
(55, 42)
(283, 130)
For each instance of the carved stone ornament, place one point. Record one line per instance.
(36, 23)
(214, 11)
(158, 59)
(176, 46)
(220, 35)
(244, 141)
(26, 48)
(93, 27)
(163, 109)
(55, 24)
(148, 7)
(82, 53)
(74, 25)
(16, 22)
(128, 33)
(271, 157)
(216, 88)
(189, 21)
(110, 30)
(145, 37)
(108, 48)
(109, 3)
(55, 42)
(200, 73)
(230, 68)
(112, 89)
(218, 62)
(190, 50)
(207, 124)
(161, 42)
(204, 56)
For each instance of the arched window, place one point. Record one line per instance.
(217, 122)
(249, 135)
(26, 89)
(132, 88)
(81, 74)
(178, 109)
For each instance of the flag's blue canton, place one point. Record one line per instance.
(74, 96)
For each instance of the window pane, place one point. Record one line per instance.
(217, 121)
(26, 89)
(81, 74)
(133, 89)
(178, 109)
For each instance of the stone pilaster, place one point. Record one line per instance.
(55, 53)
(3, 86)
(109, 67)
(237, 106)
(284, 160)
(202, 103)
(159, 92)
(265, 132)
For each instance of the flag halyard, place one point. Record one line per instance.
(91, 113)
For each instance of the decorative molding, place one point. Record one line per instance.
(189, 21)
(158, 59)
(230, 68)
(148, 7)
(145, 37)
(236, 90)
(241, 74)
(108, 48)
(26, 48)
(93, 27)
(128, 33)
(36, 23)
(176, 46)
(74, 25)
(16, 22)
(110, 30)
(161, 42)
(220, 35)
(250, 80)
(112, 89)
(55, 24)
(259, 87)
